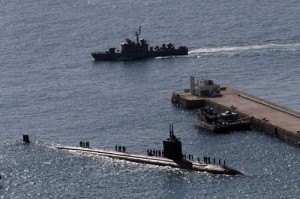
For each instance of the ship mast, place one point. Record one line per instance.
(137, 35)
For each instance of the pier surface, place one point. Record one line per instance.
(268, 117)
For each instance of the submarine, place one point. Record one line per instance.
(170, 156)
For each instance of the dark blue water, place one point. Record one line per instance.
(52, 90)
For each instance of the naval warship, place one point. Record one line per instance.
(140, 49)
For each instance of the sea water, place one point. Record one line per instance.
(52, 90)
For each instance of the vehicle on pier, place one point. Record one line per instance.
(140, 49)
(208, 119)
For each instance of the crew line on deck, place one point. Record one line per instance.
(172, 156)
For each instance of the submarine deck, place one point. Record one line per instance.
(271, 118)
(159, 161)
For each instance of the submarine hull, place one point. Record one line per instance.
(159, 161)
(120, 56)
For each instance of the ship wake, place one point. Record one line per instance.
(236, 50)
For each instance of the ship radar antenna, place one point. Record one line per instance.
(170, 131)
(137, 34)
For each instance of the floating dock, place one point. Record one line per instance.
(275, 120)
(159, 161)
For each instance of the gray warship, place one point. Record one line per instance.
(140, 49)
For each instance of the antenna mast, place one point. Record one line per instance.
(170, 130)
(137, 34)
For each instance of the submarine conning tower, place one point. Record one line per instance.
(172, 146)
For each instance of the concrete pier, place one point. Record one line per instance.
(268, 117)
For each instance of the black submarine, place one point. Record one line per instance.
(140, 49)
(170, 156)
